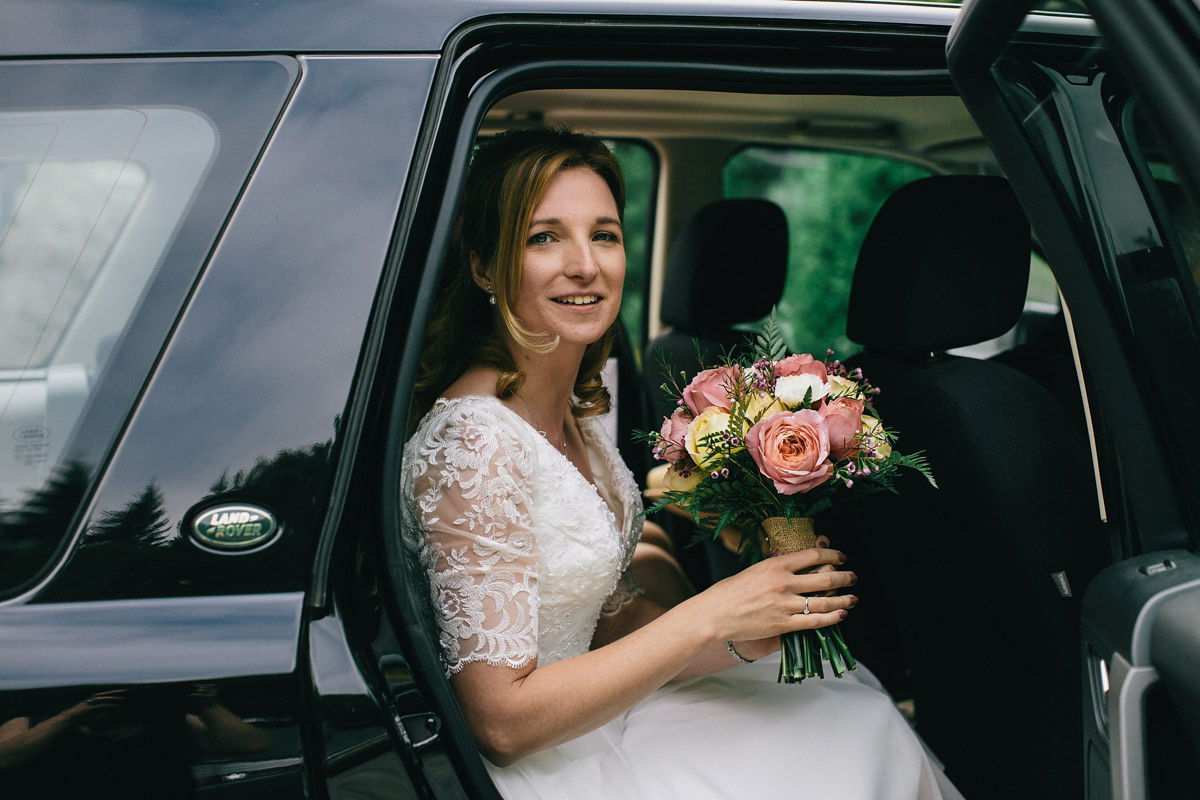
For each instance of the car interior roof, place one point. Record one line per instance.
(934, 130)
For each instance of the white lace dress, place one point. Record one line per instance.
(523, 556)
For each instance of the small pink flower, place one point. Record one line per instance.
(711, 387)
(674, 429)
(801, 363)
(844, 418)
(791, 448)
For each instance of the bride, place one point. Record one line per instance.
(575, 681)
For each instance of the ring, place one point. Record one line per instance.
(806, 611)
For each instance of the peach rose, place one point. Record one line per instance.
(792, 449)
(674, 430)
(844, 418)
(800, 364)
(710, 387)
(712, 421)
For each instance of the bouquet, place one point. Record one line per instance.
(765, 443)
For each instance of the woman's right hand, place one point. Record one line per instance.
(769, 598)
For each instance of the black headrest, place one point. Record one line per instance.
(726, 266)
(945, 264)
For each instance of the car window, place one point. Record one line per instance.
(1138, 226)
(640, 168)
(829, 199)
(98, 194)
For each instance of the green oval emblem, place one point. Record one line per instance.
(228, 528)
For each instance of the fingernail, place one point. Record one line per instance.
(843, 614)
(853, 578)
(841, 557)
(853, 601)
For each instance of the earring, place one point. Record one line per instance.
(491, 296)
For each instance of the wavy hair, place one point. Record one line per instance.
(508, 176)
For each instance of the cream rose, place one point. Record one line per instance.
(758, 406)
(844, 387)
(712, 421)
(873, 437)
(682, 481)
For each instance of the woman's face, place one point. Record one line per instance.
(574, 262)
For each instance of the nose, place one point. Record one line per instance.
(581, 261)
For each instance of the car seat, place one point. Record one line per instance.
(726, 267)
(985, 572)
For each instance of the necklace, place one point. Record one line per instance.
(538, 427)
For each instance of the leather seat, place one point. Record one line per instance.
(979, 569)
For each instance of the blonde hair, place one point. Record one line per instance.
(508, 176)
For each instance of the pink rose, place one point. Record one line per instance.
(844, 418)
(801, 363)
(710, 388)
(792, 449)
(674, 429)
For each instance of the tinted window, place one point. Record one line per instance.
(114, 179)
(1137, 225)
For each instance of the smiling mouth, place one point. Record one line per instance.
(578, 300)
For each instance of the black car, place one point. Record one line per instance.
(221, 229)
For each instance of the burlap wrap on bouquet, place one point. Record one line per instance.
(782, 536)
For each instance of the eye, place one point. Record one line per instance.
(539, 238)
(607, 236)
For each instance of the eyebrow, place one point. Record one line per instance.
(557, 221)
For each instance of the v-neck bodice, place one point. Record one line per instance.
(523, 552)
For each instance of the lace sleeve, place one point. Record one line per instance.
(469, 486)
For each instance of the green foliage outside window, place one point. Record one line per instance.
(640, 170)
(829, 199)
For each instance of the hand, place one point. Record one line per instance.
(94, 706)
(769, 598)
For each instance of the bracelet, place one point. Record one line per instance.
(736, 654)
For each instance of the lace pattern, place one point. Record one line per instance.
(521, 552)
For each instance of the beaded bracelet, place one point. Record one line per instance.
(736, 654)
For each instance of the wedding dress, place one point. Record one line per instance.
(523, 555)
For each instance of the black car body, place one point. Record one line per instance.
(221, 226)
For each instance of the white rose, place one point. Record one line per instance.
(792, 389)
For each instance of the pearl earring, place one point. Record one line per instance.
(491, 296)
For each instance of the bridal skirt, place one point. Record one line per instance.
(740, 734)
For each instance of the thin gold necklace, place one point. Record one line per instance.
(537, 425)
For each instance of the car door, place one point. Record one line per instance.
(1099, 131)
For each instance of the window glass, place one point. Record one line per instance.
(829, 199)
(640, 168)
(114, 179)
(1136, 224)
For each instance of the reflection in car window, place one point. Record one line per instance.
(114, 180)
(89, 200)
(57, 220)
(829, 199)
